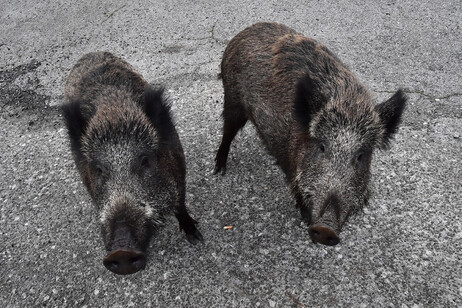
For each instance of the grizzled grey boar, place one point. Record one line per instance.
(128, 154)
(312, 114)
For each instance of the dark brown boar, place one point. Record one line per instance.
(312, 114)
(128, 154)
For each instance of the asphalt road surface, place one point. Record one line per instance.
(403, 250)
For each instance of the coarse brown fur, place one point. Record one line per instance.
(126, 149)
(312, 114)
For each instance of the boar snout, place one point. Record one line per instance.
(322, 234)
(323, 229)
(124, 256)
(125, 261)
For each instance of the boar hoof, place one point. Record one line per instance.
(194, 237)
(187, 224)
(218, 169)
(220, 165)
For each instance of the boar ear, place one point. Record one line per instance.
(308, 100)
(76, 124)
(157, 108)
(390, 113)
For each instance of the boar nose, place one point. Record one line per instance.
(124, 261)
(322, 234)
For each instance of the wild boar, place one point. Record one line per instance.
(128, 154)
(312, 114)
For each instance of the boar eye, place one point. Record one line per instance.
(322, 149)
(142, 165)
(145, 162)
(361, 158)
(100, 171)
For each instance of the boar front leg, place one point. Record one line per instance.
(187, 223)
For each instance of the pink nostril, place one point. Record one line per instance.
(124, 261)
(322, 234)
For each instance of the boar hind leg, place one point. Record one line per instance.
(234, 118)
(187, 224)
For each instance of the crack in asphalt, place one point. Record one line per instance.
(112, 14)
(209, 37)
(418, 92)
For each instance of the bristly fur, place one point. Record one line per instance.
(390, 113)
(76, 125)
(125, 127)
(126, 149)
(308, 101)
(312, 114)
(157, 108)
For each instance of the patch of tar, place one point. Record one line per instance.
(18, 90)
(19, 98)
